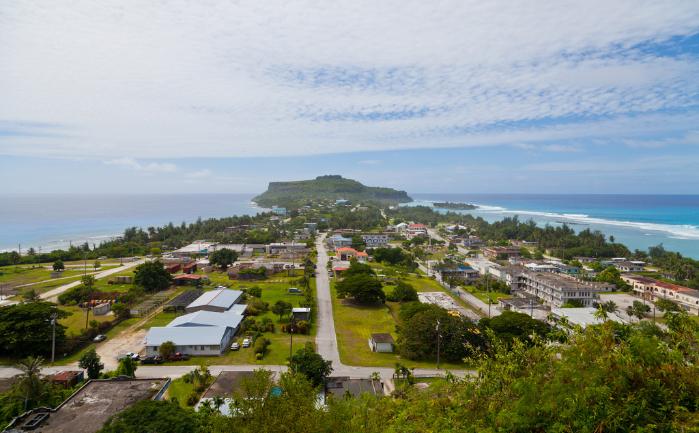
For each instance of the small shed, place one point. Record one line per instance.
(382, 342)
(190, 268)
(301, 313)
(175, 267)
(102, 309)
(68, 379)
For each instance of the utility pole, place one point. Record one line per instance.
(531, 308)
(54, 316)
(487, 290)
(292, 328)
(438, 338)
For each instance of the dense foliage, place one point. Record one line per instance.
(25, 329)
(152, 276)
(511, 325)
(402, 292)
(423, 326)
(223, 258)
(310, 364)
(153, 416)
(363, 288)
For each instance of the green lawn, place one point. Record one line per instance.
(76, 321)
(180, 390)
(484, 296)
(25, 274)
(353, 326)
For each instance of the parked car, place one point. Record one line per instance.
(246, 342)
(235, 346)
(131, 355)
(153, 359)
(99, 338)
(179, 357)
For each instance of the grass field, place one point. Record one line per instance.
(354, 324)
(76, 321)
(26, 274)
(483, 295)
(180, 390)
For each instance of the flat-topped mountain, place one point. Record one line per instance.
(330, 187)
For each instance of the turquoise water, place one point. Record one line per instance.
(54, 221)
(639, 221)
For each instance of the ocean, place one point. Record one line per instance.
(48, 222)
(638, 221)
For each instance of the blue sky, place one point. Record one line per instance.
(539, 96)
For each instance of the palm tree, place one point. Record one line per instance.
(375, 378)
(30, 382)
(601, 314)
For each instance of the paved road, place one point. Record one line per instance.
(326, 339)
(52, 295)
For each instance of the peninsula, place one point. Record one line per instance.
(455, 206)
(329, 187)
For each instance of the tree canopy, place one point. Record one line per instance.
(152, 276)
(223, 258)
(25, 329)
(307, 362)
(153, 416)
(363, 288)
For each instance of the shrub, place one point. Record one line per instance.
(260, 346)
(403, 292)
(254, 292)
(256, 307)
(192, 399)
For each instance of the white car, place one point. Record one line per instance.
(246, 342)
(235, 346)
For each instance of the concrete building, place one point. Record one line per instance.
(504, 253)
(340, 387)
(338, 241)
(87, 409)
(373, 240)
(629, 266)
(556, 289)
(651, 289)
(414, 230)
(348, 253)
(461, 272)
(581, 316)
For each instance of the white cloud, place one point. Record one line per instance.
(150, 167)
(199, 174)
(370, 162)
(277, 78)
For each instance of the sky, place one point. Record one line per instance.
(452, 96)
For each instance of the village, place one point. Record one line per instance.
(227, 310)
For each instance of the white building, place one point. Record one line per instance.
(375, 240)
(192, 340)
(556, 289)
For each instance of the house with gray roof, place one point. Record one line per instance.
(215, 300)
(192, 340)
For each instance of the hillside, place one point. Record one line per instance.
(331, 187)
